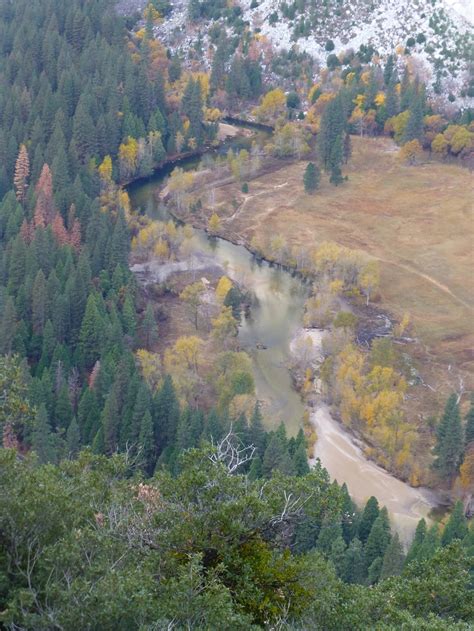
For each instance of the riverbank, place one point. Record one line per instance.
(270, 325)
(227, 133)
(373, 323)
(345, 462)
(342, 453)
(414, 225)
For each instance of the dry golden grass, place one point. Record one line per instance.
(417, 220)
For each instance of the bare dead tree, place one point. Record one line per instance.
(231, 452)
(293, 507)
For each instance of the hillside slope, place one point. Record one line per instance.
(438, 33)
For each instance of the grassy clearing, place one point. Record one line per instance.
(418, 221)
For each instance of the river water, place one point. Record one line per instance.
(275, 315)
(266, 334)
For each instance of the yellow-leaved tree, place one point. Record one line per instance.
(179, 185)
(369, 279)
(192, 297)
(440, 145)
(223, 287)
(128, 157)
(105, 170)
(183, 361)
(411, 152)
(150, 367)
(273, 103)
(224, 327)
(214, 223)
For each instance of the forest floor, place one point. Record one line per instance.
(417, 221)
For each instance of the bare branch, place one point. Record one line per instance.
(232, 452)
(293, 507)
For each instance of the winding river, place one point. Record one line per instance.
(266, 335)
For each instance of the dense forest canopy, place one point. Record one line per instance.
(123, 504)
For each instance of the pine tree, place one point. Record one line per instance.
(73, 438)
(174, 128)
(119, 243)
(430, 545)
(371, 90)
(91, 334)
(255, 471)
(257, 435)
(42, 442)
(192, 108)
(330, 532)
(450, 441)
(84, 137)
(306, 534)
(8, 326)
(146, 444)
(373, 573)
(300, 461)
(286, 465)
(63, 409)
(354, 565)
(456, 528)
(311, 178)
(393, 558)
(22, 173)
(444, 423)
(88, 415)
(174, 69)
(388, 71)
(183, 435)
(416, 544)
(406, 90)
(369, 515)
(128, 316)
(347, 148)
(378, 539)
(274, 455)
(414, 127)
(38, 303)
(349, 516)
(98, 444)
(149, 327)
(335, 161)
(196, 427)
(391, 100)
(48, 346)
(16, 270)
(337, 555)
(333, 122)
(59, 230)
(214, 427)
(218, 64)
(241, 429)
(469, 431)
(166, 414)
(111, 422)
(131, 430)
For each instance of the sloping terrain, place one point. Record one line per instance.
(436, 34)
(417, 221)
(439, 32)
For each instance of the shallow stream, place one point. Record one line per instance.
(266, 335)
